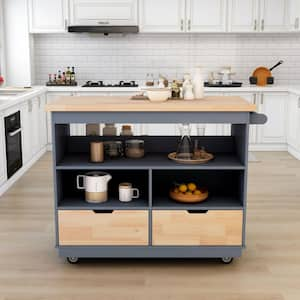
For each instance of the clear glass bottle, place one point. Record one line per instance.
(109, 130)
(185, 146)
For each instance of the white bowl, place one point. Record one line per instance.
(158, 94)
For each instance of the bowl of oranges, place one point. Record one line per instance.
(188, 193)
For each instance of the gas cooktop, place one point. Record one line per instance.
(117, 85)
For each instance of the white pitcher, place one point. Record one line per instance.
(198, 84)
(95, 186)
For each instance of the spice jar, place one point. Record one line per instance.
(113, 149)
(126, 130)
(134, 148)
(109, 129)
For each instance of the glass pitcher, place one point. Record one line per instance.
(185, 146)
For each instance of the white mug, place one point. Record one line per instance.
(127, 193)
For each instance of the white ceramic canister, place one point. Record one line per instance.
(198, 84)
(95, 186)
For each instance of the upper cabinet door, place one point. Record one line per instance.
(162, 15)
(47, 16)
(206, 16)
(243, 15)
(103, 12)
(294, 15)
(274, 15)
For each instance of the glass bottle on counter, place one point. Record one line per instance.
(68, 76)
(73, 77)
(185, 146)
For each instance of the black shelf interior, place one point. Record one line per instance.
(69, 197)
(73, 153)
(225, 188)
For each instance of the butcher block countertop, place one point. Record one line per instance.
(125, 104)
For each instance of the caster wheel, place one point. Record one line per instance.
(73, 260)
(227, 260)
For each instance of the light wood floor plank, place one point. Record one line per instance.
(268, 270)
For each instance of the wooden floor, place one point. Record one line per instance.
(268, 270)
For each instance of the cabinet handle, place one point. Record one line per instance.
(66, 24)
(255, 25)
(181, 25)
(254, 101)
(299, 102)
(262, 25)
(197, 211)
(189, 25)
(103, 211)
(262, 99)
(103, 22)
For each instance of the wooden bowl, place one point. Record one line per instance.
(182, 198)
(203, 160)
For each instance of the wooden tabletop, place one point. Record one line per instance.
(125, 104)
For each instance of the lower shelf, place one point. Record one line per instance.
(211, 203)
(73, 203)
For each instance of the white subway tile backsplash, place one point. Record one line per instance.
(131, 57)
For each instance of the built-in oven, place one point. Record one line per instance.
(13, 138)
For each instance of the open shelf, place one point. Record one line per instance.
(74, 203)
(211, 203)
(155, 161)
(225, 188)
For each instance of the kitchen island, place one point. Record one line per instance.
(152, 226)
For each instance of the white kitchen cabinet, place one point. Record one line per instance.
(274, 15)
(42, 122)
(48, 16)
(30, 117)
(162, 16)
(294, 15)
(206, 16)
(243, 15)
(2, 151)
(103, 12)
(274, 106)
(293, 132)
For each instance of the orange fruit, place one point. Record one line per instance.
(183, 188)
(197, 192)
(192, 186)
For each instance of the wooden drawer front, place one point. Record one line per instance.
(214, 228)
(85, 227)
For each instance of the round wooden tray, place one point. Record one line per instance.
(207, 158)
(188, 198)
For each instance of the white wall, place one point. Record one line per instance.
(2, 60)
(131, 57)
(17, 43)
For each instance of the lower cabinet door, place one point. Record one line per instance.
(91, 228)
(204, 228)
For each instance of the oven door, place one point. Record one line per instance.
(13, 151)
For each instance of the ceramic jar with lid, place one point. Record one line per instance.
(126, 130)
(109, 130)
(134, 148)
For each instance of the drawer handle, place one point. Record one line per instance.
(197, 211)
(103, 211)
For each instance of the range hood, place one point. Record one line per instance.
(104, 29)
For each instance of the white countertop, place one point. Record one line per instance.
(21, 97)
(36, 90)
(244, 88)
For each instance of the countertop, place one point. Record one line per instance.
(26, 93)
(244, 88)
(125, 104)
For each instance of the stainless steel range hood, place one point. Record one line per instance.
(103, 29)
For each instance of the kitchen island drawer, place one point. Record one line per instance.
(197, 228)
(88, 227)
